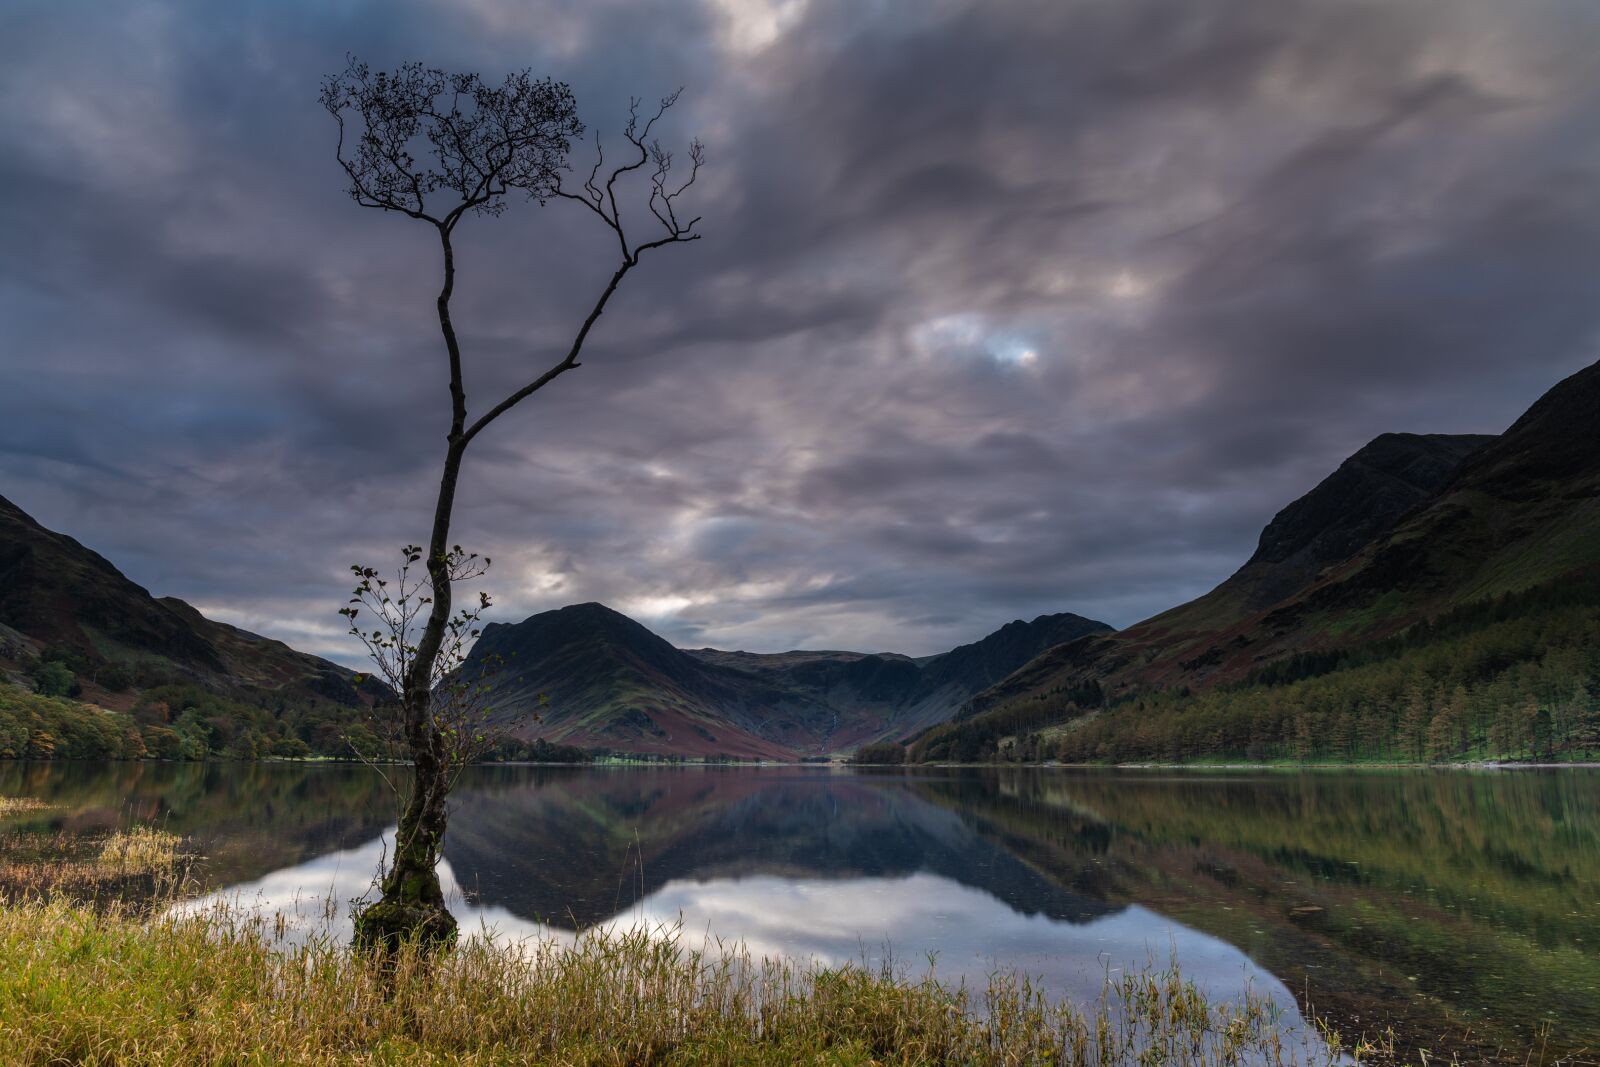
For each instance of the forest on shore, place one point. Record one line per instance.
(1514, 678)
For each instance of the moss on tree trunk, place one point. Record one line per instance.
(412, 906)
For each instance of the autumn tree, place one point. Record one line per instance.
(438, 148)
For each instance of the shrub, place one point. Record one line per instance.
(881, 752)
(53, 678)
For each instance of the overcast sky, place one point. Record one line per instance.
(1003, 308)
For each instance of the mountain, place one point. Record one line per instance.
(971, 668)
(1365, 497)
(893, 695)
(1369, 493)
(592, 676)
(57, 594)
(1436, 594)
(1409, 533)
(596, 678)
(1521, 510)
(56, 591)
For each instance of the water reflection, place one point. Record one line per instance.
(908, 922)
(1459, 907)
(578, 847)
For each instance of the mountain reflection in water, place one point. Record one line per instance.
(1458, 907)
(906, 921)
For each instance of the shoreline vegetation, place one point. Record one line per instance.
(81, 984)
(100, 963)
(91, 929)
(137, 863)
(39, 728)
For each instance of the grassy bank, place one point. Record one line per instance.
(78, 985)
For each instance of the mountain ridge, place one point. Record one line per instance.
(1477, 518)
(596, 678)
(59, 594)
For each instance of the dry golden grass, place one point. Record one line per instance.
(21, 806)
(94, 987)
(141, 850)
(139, 863)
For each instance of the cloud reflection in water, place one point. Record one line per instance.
(969, 932)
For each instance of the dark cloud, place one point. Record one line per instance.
(1004, 308)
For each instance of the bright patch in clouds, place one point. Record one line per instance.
(752, 25)
(968, 333)
(1011, 351)
(1127, 285)
(655, 607)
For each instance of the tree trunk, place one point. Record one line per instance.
(412, 906)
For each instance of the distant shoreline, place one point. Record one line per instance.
(327, 761)
(1476, 765)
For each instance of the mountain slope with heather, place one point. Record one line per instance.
(596, 678)
(590, 676)
(1367, 496)
(1415, 543)
(56, 592)
(121, 648)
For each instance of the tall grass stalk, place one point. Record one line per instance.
(80, 985)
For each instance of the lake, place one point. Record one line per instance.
(1460, 907)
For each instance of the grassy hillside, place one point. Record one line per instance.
(63, 604)
(1456, 629)
(1511, 677)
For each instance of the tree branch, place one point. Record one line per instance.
(556, 371)
(592, 199)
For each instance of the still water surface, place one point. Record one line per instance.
(1461, 908)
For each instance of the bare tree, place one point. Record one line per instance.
(436, 147)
